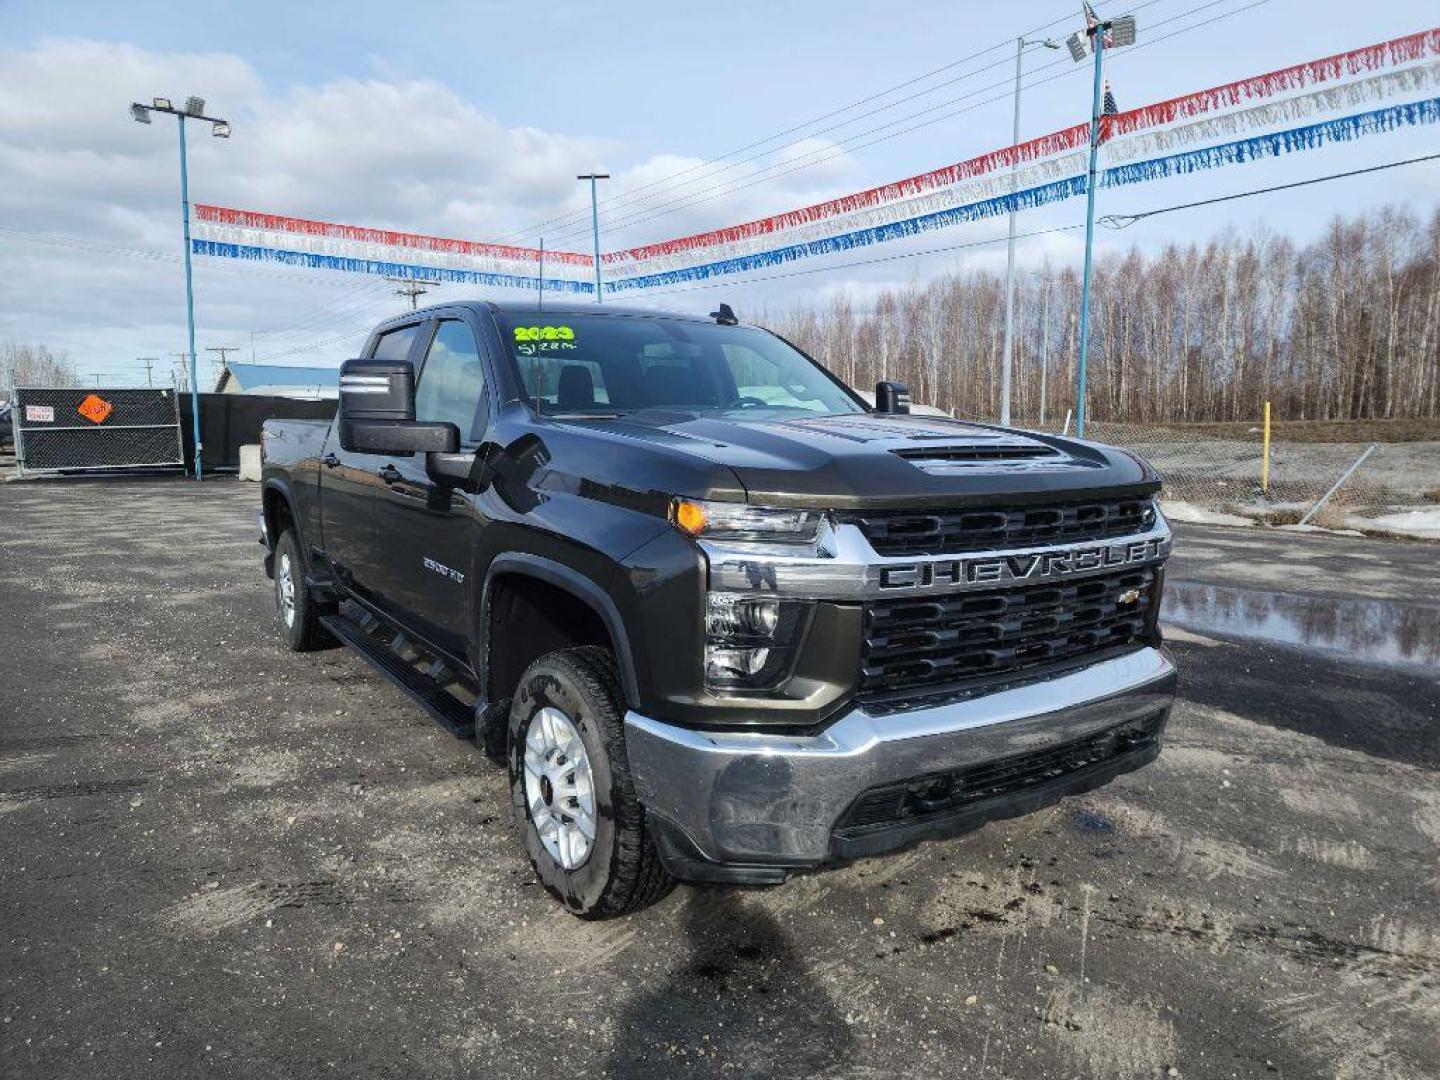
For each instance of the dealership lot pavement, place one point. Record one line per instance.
(220, 858)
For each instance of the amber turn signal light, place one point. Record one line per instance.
(689, 517)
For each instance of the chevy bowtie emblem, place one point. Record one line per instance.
(1129, 596)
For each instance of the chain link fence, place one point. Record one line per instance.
(80, 429)
(1217, 476)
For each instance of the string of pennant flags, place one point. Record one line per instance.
(1266, 116)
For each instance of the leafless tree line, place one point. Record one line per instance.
(1347, 327)
(23, 364)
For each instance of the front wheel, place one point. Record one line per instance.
(575, 805)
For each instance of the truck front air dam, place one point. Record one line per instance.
(755, 806)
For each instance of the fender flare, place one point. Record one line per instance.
(579, 586)
(275, 483)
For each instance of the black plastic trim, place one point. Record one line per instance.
(684, 861)
(578, 585)
(449, 713)
(876, 841)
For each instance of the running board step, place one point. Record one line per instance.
(450, 714)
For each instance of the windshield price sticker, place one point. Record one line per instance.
(531, 340)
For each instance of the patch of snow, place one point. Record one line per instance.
(1179, 633)
(1319, 529)
(1424, 524)
(1195, 515)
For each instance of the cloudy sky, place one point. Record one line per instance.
(472, 119)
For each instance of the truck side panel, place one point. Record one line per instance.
(291, 465)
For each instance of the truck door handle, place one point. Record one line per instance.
(330, 461)
(390, 474)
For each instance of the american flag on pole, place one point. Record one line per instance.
(1109, 108)
(1092, 20)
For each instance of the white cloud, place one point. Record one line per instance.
(396, 153)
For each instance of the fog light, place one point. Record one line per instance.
(734, 667)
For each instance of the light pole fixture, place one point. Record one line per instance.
(595, 223)
(1005, 363)
(194, 110)
(1120, 31)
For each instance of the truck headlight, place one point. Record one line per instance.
(704, 519)
(750, 641)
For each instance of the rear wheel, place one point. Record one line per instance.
(575, 805)
(296, 609)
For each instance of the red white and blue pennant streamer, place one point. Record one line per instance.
(1308, 137)
(1140, 144)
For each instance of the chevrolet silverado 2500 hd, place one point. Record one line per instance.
(723, 620)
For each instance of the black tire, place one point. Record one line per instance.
(622, 872)
(301, 630)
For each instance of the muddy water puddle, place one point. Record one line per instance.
(1376, 631)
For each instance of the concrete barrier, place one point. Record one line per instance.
(250, 461)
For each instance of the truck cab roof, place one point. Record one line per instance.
(552, 306)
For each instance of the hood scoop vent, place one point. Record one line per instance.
(997, 453)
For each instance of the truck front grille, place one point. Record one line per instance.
(952, 792)
(918, 650)
(945, 532)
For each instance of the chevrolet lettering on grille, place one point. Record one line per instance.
(1023, 567)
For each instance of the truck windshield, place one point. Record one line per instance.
(607, 364)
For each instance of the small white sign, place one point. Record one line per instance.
(40, 414)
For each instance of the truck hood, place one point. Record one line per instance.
(873, 460)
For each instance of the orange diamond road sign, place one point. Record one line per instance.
(94, 408)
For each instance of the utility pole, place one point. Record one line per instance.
(411, 288)
(148, 361)
(595, 224)
(184, 358)
(222, 350)
(1044, 348)
(1006, 363)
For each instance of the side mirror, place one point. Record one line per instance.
(377, 412)
(892, 397)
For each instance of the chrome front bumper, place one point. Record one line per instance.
(763, 800)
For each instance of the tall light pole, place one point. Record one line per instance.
(1122, 32)
(595, 224)
(1005, 363)
(194, 110)
(1044, 344)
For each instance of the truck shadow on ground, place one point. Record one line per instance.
(741, 1003)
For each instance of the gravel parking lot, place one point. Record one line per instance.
(218, 856)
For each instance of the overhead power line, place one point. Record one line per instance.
(1126, 219)
(863, 262)
(851, 144)
(709, 165)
